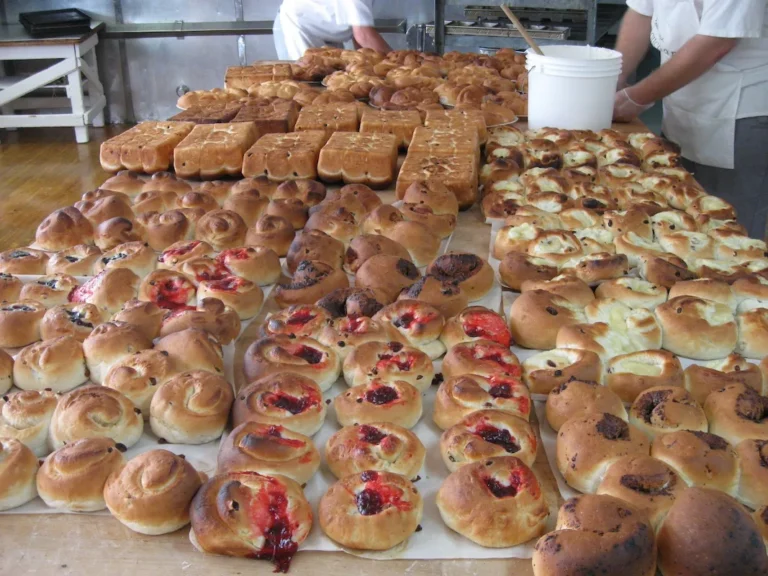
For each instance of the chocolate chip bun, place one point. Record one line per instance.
(286, 400)
(76, 320)
(23, 261)
(311, 281)
(18, 469)
(193, 349)
(578, 398)
(588, 445)
(536, 317)
(26, 416)
(545, 371)
(472, 273)
(57, 365)
(314, 245)
(752, 456)
(483, 358)
(396, 402)
(303, 356)
(379, 446)
(388, 362)
(662, 409)
(51, 290)
(146, 317)
(179, 252)
(63, 229)
(73, 477)
(108, 291)
(737, 412)
(496, 503)
(628, 375)
(475, 323)
(139, 376)
(419, 324)
(20, 323)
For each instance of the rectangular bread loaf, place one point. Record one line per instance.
(282, 157)
(147, 147)
(359, 158)
(400, 123)
(214, 150)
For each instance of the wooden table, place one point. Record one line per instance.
(43, 172)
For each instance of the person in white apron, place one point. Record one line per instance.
(302, 24)
(713, 81)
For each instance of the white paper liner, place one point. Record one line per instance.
(549, 444)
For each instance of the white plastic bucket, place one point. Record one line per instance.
(572, 87)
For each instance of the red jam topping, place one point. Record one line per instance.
(301, 317)
(235, 254)
(381, 395)
(171, 294)
(502, 358)
(500, 391)
(212, 274)
(488, 326)
(403, 362)
(268, 510)
(353, 324)
(228, 284)
(276, 434)
(371, 435)
(499, 490)
(180, 251)
(377, 496)
(497, 436)
(310, 355)
(82, 293)
(289, 403)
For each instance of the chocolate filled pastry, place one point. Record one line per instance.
(211, 315)
(516, 268)
(236, 531)
(138, 257)
(221, 229)
(168, 289)
(588, 445)
(708, 531)
(365, 246)
(179, 252)
(20, 323)
(699, 458)
(459, 396)
(18, 469)
(309, 192)
(629, 375)
(752, 456)
(634, 292)
(270, 450)
(378, 401)
(152, 493)
(352, 302)
(75, 261)
(303, 356)
(472, 274)
(193, 349)
(697, 328)
(285, 400)
(379, 446)
(388, 362)
(703, 378)
(487, 434)
(337, 222)
(737, 412)
(422, 244)
(139, 376)
(6, 371)
(126, 181)
(166, 182)
(536, 317)
(191, 408)
(311, 281)
(599, 534)
(386, 274)
(663, 271)
(303, 320)
(100, 209)
(446, 296)
(241, 295)
(95, 412)
(26, 416)
(115, 231)
(496, 503)
(418, 323)
(63, 229)
(314, 245)
(52, 290)
(662, 409)
(76, 320)
(57, 365)
(146, 317)
(23, 261)
(382, 510)
(548, 370)
(577, 398)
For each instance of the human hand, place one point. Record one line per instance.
(625, 109)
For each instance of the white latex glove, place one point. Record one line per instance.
(625, 109)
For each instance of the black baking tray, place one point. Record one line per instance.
(51, 23)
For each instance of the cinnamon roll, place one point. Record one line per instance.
(26, 416)
(221, 229)
(139, 376)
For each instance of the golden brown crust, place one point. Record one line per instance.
(577, 398)
(108, 291)
(516, 268)
(63, 229)
(50, 290)
(696, 328)
(20, 323)
(193, 349)
(470, 272)
(535, 318)
(109, 343)
(211, 315)
(388, 361)
(23, 261)
(26, 416)
(565, 286)
(77, 320)
(147, 317)
(397, 402)
(419, 324)
(663, 409)
(57, 365)
(221, 229)
(752, 457)
(737, 412)
(139, 376)
(547, 370)
(311, 281)
(18, 468)
(628, 375)
(700, 379)
(138, 257)
(482, 358)
(387, 274)
(314, 245)
(365, 246)
(179, 252)
(116, 231)
(241, 295)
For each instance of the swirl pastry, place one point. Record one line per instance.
(351, 302)
(179, 252)
(20, 323)
(116, 231)
(76, 320)
(737, 412)
(211, 315)
(697, 328)
(418, 323)
(701, 379)
(365, 246)
(221, 229)
(154, 201)
(97, 210)
(272, 232)
(629, 375)
(370, 511)
(397, 402)
(458, 397)
(482, 358)
(95, 412)
(73, 477)
(137, 257)
(292, 210)
(348, 332)
(249, 203)
(386, 274)
(516, 268)
(125, 181)
(26, 417)
(257, 264)
(444, 296)
(57, 365)
(168, 289)
(473, 274)
(314, 245)
(193, 349)
(63, 229)
(108, 291)
(23, 261)
(18, 469)
(303, 356)
(252, 516)
(50, 291)
(310, 192)
(388, 362)
(166, 182)
(109, 343)
(473, 324)
(167, 228)
(577, 398)
(311, 281)
(152, 493)
(146, 317)
(243, 296)
(198, 270)
(138, 377)
(666, 409)
(270, 450)
(303, 320)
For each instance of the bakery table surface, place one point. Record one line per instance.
(42, 170)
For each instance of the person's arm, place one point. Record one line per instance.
(633, 42)
(367, 37)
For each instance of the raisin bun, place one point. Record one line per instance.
(388, 362)
(193, 349)
(628, 375)
(76, 320)
(536, 317)
(417, 323)
(380, 446)
(397, 402)
(634, 292)
(545, 371)
(26, 416)
(57, 365)
(6, 371)
(348, 332)
(78, 260)
(303, 356)
(139, 376)
(565, 286)
(665, 409)
(147, 317)
(475, 323)
(577, 398)
(516, 268)
(109, 343)
(18, 469)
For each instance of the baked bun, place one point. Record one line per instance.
(285, 400)
(460, 396)
(108, 291)
(26, 417)
(193, 349)
(699, 458)
(137, 257)
(517, 268)
(97, 210)
(309, 192)
(597, 534)
(388, 362)
(708, 531)
(221, 229)
(298, 320)
(351, 302)
(381, 220)
(292, 210)
(487, 434)
(257, 264)
(634, 292)
(335, 220)
(23, 261)
(314, 245)
(379, 446)
(167, 228)
(752, 287)
(303, 356)
(472, 273)
(753, 333)
(701, 379)
(179, 252)
(10, 287)
(241, 295)
(386, 274)
(752, 456)
(51, 290)
(496, 503)
(664, 409)
(73, 477)
(473, 324)
(211, 315)
(578, 398)
(20, 323)
(63, 229)
(126, 181)
(665, 272)
(57, 365)
(597, 267)
(139, 376)
(18, 469)
(166, 182)
(109, 343)
(249, 203)
(198, 199)
(546, 371)
(536, 316)
(76, 320)
(565, 286)
(348, 332)
(370, 511)
(588, 445)
(365, 246)
(168, 289)
(6, 371)
(147, 317)
(159, 202)
(629, 375)
(482, 358)
(359, 193)
(737, 413)
(152, 493)
(95, 412)
(447, 297)
(377, 401)
(311, 281)
(116, 231)
(418, 323)
(697, 328)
